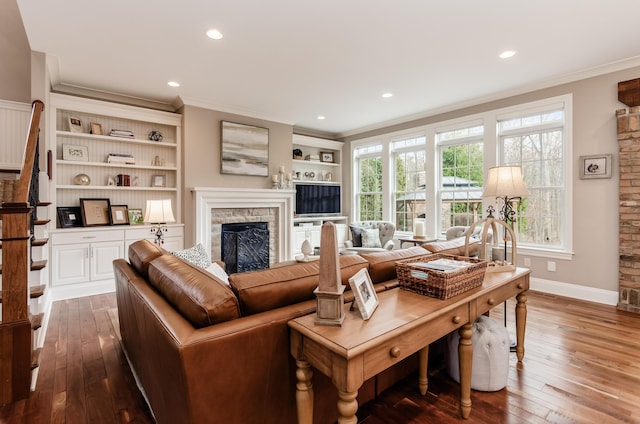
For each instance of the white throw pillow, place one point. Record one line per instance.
(217, 270)
(196, 255)
(371, 237)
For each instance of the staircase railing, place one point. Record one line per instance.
(16, 337)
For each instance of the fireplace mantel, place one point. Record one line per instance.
(205, 199)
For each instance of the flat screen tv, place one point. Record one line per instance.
(317, 199)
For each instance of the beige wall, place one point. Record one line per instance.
(16, 55)
(201, 155)
(595, 202)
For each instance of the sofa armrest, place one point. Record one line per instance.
(389, 245)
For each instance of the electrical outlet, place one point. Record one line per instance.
(527, 262)
(551, 266)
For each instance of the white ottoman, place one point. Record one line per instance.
(490, 342)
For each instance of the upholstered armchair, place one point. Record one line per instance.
(371, 236)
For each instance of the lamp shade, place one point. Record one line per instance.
(159, 212)
(505, 181)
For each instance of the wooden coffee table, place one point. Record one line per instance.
(417, 240)
(404, 323)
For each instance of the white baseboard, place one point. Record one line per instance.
(591, 294)
(80, 290)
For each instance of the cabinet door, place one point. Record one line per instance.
(102, 257)
(70, 264)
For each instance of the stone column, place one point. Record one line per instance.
(629, 208)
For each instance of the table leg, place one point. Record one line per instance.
(347, 407)
(521, 324)
(304, 392)
(465, 358)
(423, 381)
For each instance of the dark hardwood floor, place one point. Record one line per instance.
(581, 366)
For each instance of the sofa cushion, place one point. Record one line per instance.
(141, 253)
(267, 289)
(382, 265)
(196, 255)
(356, 234)
(371, 238)
(452, 247)
(199, 296)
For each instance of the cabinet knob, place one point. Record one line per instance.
(491, 301)
(520, 286)
(456, 319)
(88, 237)
(394, 351)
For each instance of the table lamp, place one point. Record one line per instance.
(158, 214)
(505, 183)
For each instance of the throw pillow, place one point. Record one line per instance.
(356, 234)
(217, 270)
(371, 237)
(196, 255)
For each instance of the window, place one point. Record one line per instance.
(368, 161)
(461, 176)
(536, 143)
(409, 187)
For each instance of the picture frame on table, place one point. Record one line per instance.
(158, 180)
(595, 166)
(119, 214)
(75, 124)
(69, 216)
(327, 157)
(75, 153)
(95, 212)
(136, 217)
(364, 293)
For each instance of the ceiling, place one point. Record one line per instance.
(290, 61)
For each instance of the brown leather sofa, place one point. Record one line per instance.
(203, 351)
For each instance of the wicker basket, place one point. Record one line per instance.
(440, 284)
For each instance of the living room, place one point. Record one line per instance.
(587, 271)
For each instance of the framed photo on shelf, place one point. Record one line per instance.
(95, 212)
(69, 216)
(96, 129)
(364, 294)
(75, 124)
(76, 153)
(135, 217)
(595, 166)
(158, 181)
(326, 157)
(119, 214)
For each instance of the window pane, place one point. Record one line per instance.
(370, 189)
(409, 192)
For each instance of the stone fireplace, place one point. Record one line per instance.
(215, 206)
(629, 208)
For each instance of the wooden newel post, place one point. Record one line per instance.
(15, 329)
(329, 294)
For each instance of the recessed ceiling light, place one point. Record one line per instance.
(214, 34)
(321, 117)
(173, 84)
(387, 95)
(507, 54)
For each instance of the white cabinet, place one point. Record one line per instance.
(311, 229)
(80, 257)
(173, 237)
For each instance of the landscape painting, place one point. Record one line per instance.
(245, 149)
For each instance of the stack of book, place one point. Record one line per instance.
(121, 158)
(121, 133)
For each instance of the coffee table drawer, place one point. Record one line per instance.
(392, 351)
(488, 301)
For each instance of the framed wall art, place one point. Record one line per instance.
(69, 216)
(595, 166)
(75, 153)
(119, 214)
(95, 212)
(245, 149)
(364, 294)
